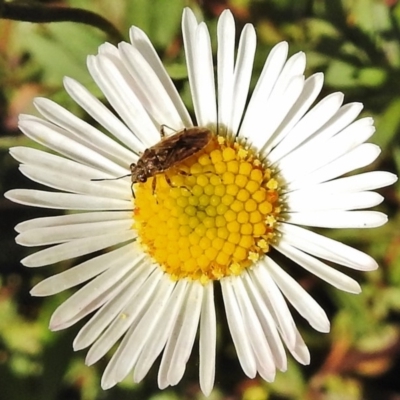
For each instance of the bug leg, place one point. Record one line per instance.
(153, 188)
(173, 186)
(133, 192)
(154, 185)
(182, 172)
(162, 131)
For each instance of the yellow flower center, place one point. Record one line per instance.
(211, 215)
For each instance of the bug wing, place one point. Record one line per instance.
(182, 145)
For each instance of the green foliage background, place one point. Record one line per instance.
(356, 43)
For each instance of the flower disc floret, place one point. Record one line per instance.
(220, 208)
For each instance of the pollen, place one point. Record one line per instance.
(211, 215)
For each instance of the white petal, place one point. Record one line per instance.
(337, 219)
(254, 116)
(66, 201)
(52, 235)
(63, 179)
(186, 335)
(277, 307)
(266, 320)
(130, 321)
(359, 157)
(341, 120)
(159, 336)
(57, 139)
(199, 62)
(298, 297)
(350, 138)
(110, 49)
(149, 89)
(242, 75)
(343, 117)
(207, 340)
(294, 66)
(276, 303)
(278, 112)
(50, 162)
(318, 268)
(295, 111)
(140, 40)
(292, 71)
(95, 290)
(127, 319)
(309, 124)
(134, 341)
(237, 329)
(225, 68)
(76, 248)
(326, 248)
(307, 200)
(100, 113)
(113, 308)
(82, 272)
(84, 131)
(180, 341)
(254, 332)
(300, 351)
(71, 219)
(123, 99)
(356, 183)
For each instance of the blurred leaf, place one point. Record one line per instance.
(393, 297)
(160, 19)
(59, 57)
(341, 74)
(269, 33)
(13, 328)
(255, 392)
(344, 75)
(114, 13)
(88, 379)
(318, 28)
(396, 154)
(82, 39)
(371, 77)
(56, 360)
(10, 141)
(370, 15)
(167, 395)
(293, 375)
(388, 124)
(177, 71)
(340, 388)
(384, 337)
(396, 13)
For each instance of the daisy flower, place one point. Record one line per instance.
(209, 204)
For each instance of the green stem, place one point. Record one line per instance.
(42, 14)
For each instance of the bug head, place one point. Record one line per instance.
(138, 173)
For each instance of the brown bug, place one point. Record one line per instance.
(168, 152)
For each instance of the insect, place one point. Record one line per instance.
(168, 152)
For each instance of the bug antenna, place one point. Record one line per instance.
(109, 179)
